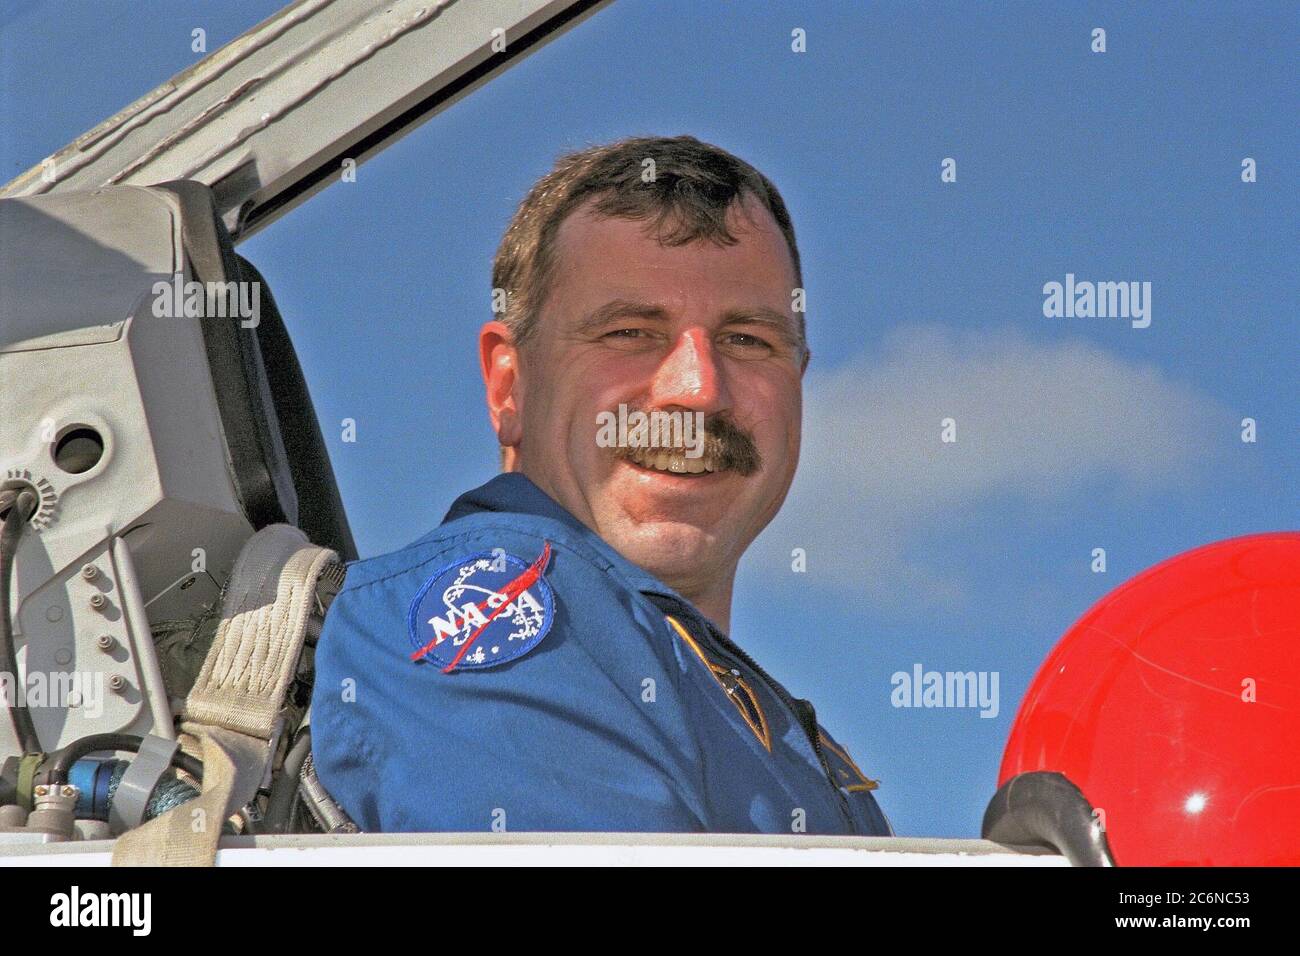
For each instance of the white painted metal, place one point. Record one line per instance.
(79, 348)
(268, 119)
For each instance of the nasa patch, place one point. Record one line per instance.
(483, 610)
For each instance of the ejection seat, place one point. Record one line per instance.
(157, 445)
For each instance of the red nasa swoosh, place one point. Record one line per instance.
(512, 591)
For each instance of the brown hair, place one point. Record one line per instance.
(694, 186)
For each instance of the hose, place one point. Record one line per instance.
(97, 779)
(280, 805)
(24, 504)
(65, 758)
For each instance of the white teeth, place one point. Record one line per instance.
(672, 461)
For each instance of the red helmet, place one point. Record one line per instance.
(1174, 706)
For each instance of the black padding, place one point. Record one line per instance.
(320, 507)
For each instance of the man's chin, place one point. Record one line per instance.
(671, 550)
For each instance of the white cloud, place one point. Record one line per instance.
(1034, 421)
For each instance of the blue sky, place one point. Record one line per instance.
(925, 302)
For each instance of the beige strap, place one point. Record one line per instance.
(250, 665)
(187, 835)
(231, 711)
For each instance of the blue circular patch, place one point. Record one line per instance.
(476, 613)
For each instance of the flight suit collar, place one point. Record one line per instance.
(513, 493)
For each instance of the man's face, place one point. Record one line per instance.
(693, 328)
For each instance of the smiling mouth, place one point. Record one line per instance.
(672, 461)
(727, 448)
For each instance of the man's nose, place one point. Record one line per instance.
(689, 376)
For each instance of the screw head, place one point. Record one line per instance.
(89, 572)
(41, 791)
(105, 642)
(98, 600)
(117, 683)
(69, 791)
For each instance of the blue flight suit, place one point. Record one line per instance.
(587, 697)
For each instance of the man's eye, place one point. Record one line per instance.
(744, 343)
(632, 338)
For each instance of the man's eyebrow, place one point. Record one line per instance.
(620, 309)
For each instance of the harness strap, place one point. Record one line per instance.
(231, 714)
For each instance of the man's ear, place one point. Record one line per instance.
(499, 360)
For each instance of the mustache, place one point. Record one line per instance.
(730, 446)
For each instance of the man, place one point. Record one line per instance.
(554, 656)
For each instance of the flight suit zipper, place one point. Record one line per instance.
(805, 714)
